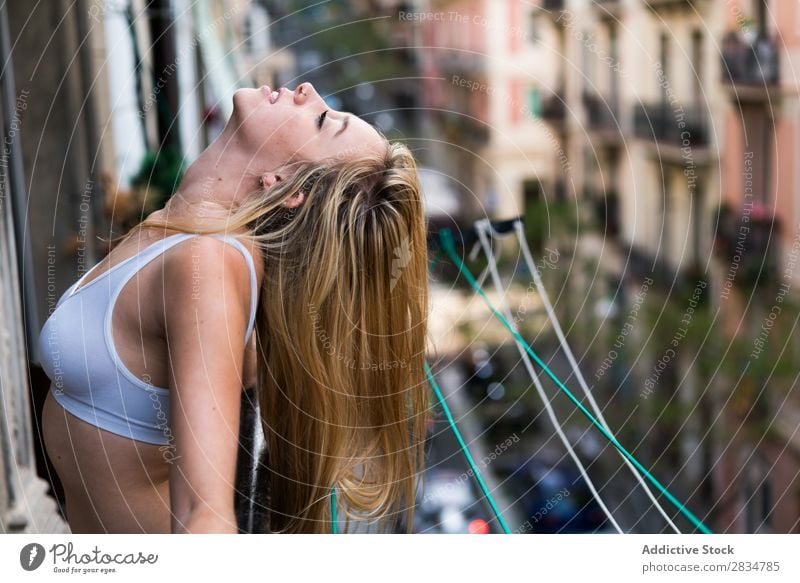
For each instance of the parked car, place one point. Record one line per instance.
(553, 497)
(448, 504)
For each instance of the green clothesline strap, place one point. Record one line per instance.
(465, 449)
(437, 256)
(333, 510)
(448, 245)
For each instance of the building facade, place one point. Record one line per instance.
(681, 125)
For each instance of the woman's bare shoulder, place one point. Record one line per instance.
(255, 252)
(205, 247)
(214, 257)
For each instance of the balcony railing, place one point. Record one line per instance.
(606, 210)
(601, 114)
(461, 128)
(553, 6)
(655, 4)
(608, 7)
(465, 63)
(672, 125)
(756, 65)
(554, 108)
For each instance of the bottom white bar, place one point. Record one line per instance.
(423, 558)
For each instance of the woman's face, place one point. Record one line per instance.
(285, 126)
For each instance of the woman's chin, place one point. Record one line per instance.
(246, 98)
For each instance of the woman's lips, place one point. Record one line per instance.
(276, 95)
(266, 91)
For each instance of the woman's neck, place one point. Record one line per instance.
(212, 186)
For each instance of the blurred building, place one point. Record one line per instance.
(673, 125)
(638, 119)
(454, 64)
(759, 241)
(526, 92)
(494, 95)
(489, 85)
(263, 60)
(683, 136)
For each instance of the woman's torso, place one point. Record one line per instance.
(113, 483)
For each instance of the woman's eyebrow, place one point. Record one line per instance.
(344, 125)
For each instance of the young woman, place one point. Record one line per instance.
(292, 258)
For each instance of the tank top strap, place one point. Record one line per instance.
(124, 267)
(150, 252)
(253, 280)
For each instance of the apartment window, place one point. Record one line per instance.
(761, 10)
(531, 190)
(697, 65)
(247, 32)
(586, 64)
(663, 55)
(534, 217)
(534, 22)
(697, 221)
(760, 142)
(664, 229)
(768, 196)
(757, 497)
(613, 49)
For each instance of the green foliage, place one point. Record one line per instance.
(160, 173)
(756, 378)
(545, 219)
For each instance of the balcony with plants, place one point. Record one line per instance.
(749, 241)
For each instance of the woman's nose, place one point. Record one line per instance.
(303, 93)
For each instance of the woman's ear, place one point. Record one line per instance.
(295, 200)
(268, 179)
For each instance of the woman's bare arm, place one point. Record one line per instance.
(207, 301)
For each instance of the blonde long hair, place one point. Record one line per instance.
(341, 332)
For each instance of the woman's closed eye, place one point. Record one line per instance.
(321, 119)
